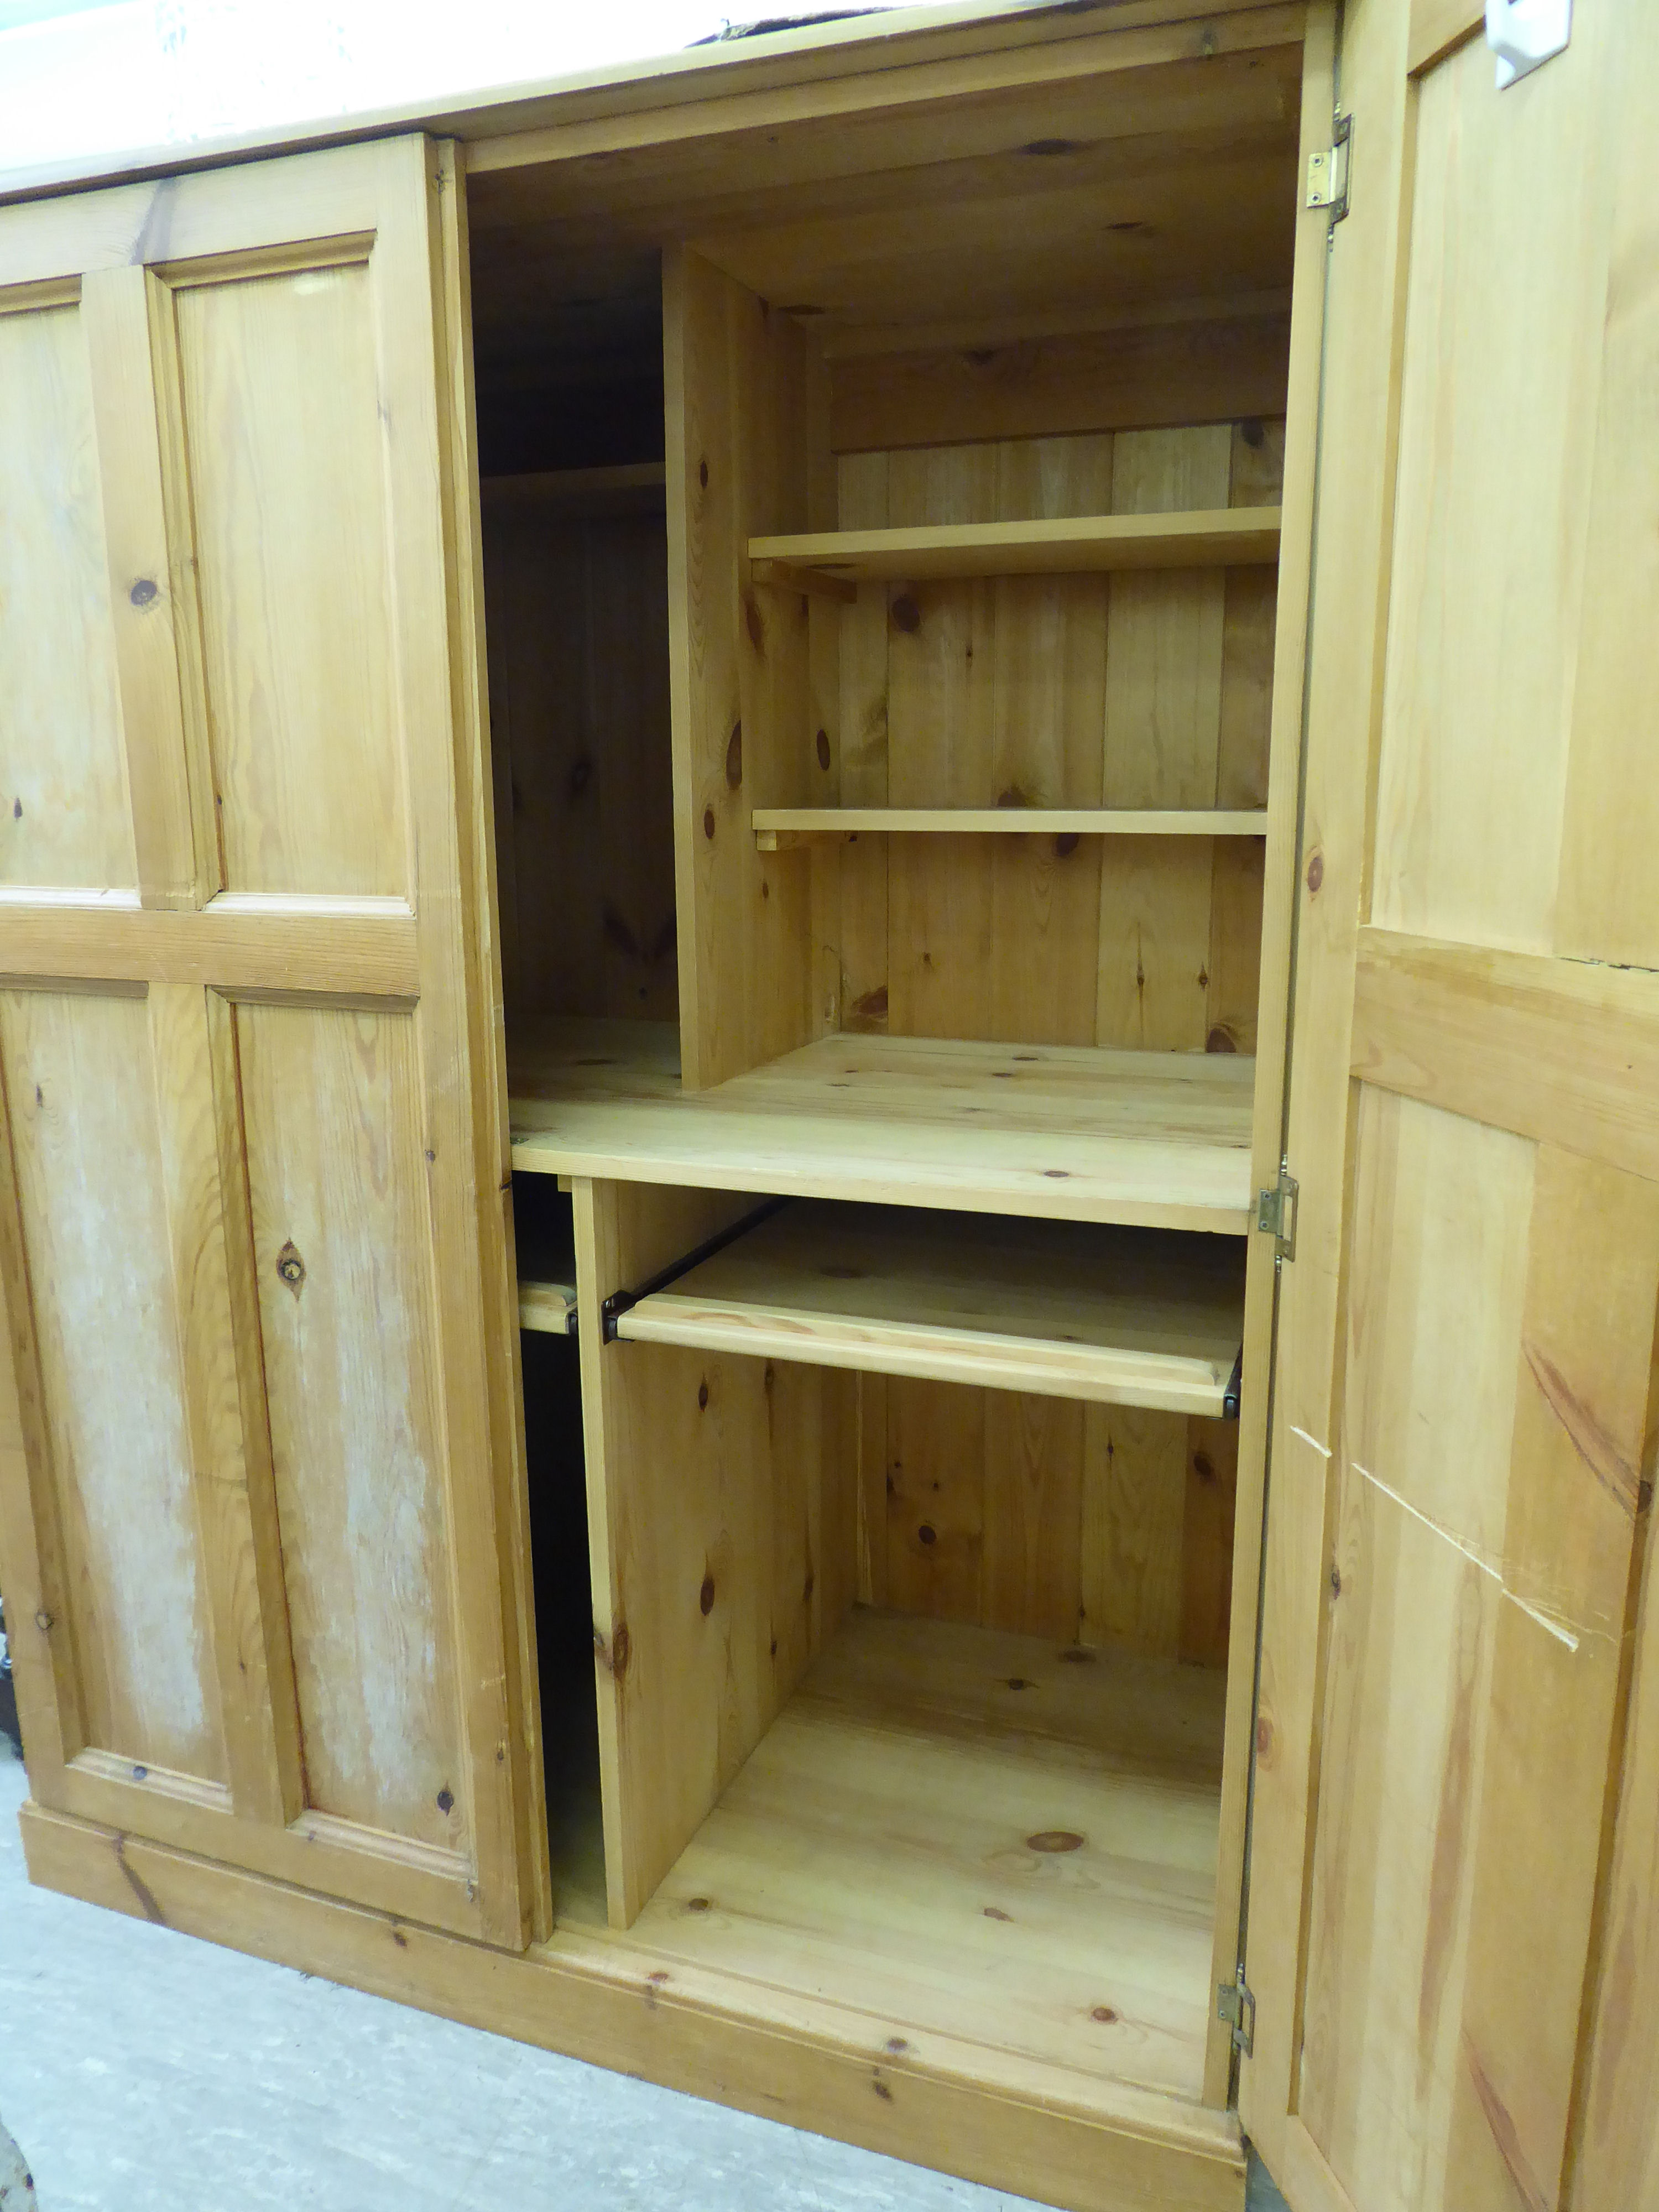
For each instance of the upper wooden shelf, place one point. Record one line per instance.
(1124, 1316)
(1159, 1139)
(779, 828)
(1218, 537)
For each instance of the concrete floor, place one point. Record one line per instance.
(141, 2071)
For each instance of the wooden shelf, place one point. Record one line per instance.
(1127, 1317)
(583, 494)
(1155, 1140)
(777, 828)
(901, 1841)
(1218, 537)
(547, 1307)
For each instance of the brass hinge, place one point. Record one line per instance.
(1327, 172)
(1235, 2005)
(1275, 1211)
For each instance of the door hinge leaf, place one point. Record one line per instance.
(1275, 1213)
(1327, 171)
(1235, 2004)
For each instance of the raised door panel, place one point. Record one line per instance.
(1467, 1392)
(80, 1079)
(288, 475)
(63, 816)
(332, 1113)
(261, 1503)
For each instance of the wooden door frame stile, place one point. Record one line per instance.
(1344, 678)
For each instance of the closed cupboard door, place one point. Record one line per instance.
(261, 1500)
(1453, 1938)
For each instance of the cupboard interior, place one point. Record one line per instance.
(955, 495)
(922, 1700)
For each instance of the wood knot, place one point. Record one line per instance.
(1052, 1841)
(752, 622)
(613, 1655)
(290, 1267)
(1078, 1655)
(1220, 1040)
(703, 1396)
(446, 1799)
(696, 1905)
(996, 1912)
(907, 615)
(1066, 844)
(706, 1595)
(1105, 2014)
(1264, 1738)
(824, 748)
(734, 756)
(928, 1535)
(702, 474)
(1315, 871)
(144, 593)
(708, 821)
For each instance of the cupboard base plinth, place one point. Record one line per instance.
(1055, 2137)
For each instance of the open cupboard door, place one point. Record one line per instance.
(260, 1498)
(1449, 1941)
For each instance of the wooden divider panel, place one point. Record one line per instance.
(722, 1532)
(748, 456)
(258, 1503)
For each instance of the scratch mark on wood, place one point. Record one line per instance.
(140, 1888)
(1504, 2132)
(1590, 1439)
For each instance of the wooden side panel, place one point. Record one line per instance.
(63, 816)
(81, 1085)
(283, 424)
(337, 1181)
(580, 722)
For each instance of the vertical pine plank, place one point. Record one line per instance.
(936, 1500)
(1133, 1514)
(1033, 1507)
(1163, 691)
(261, 1742)
(115, 316)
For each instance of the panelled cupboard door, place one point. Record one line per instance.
(1452, 1938)
(260, 1495)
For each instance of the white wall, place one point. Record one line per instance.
(136, 74)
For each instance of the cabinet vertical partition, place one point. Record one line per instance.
(713, 782)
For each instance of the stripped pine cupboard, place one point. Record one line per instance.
(829, 1058)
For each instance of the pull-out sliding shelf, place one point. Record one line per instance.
(1127, 1317)
(1225, 537)
(779, 828)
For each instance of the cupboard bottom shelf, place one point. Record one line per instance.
(967, 1832)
